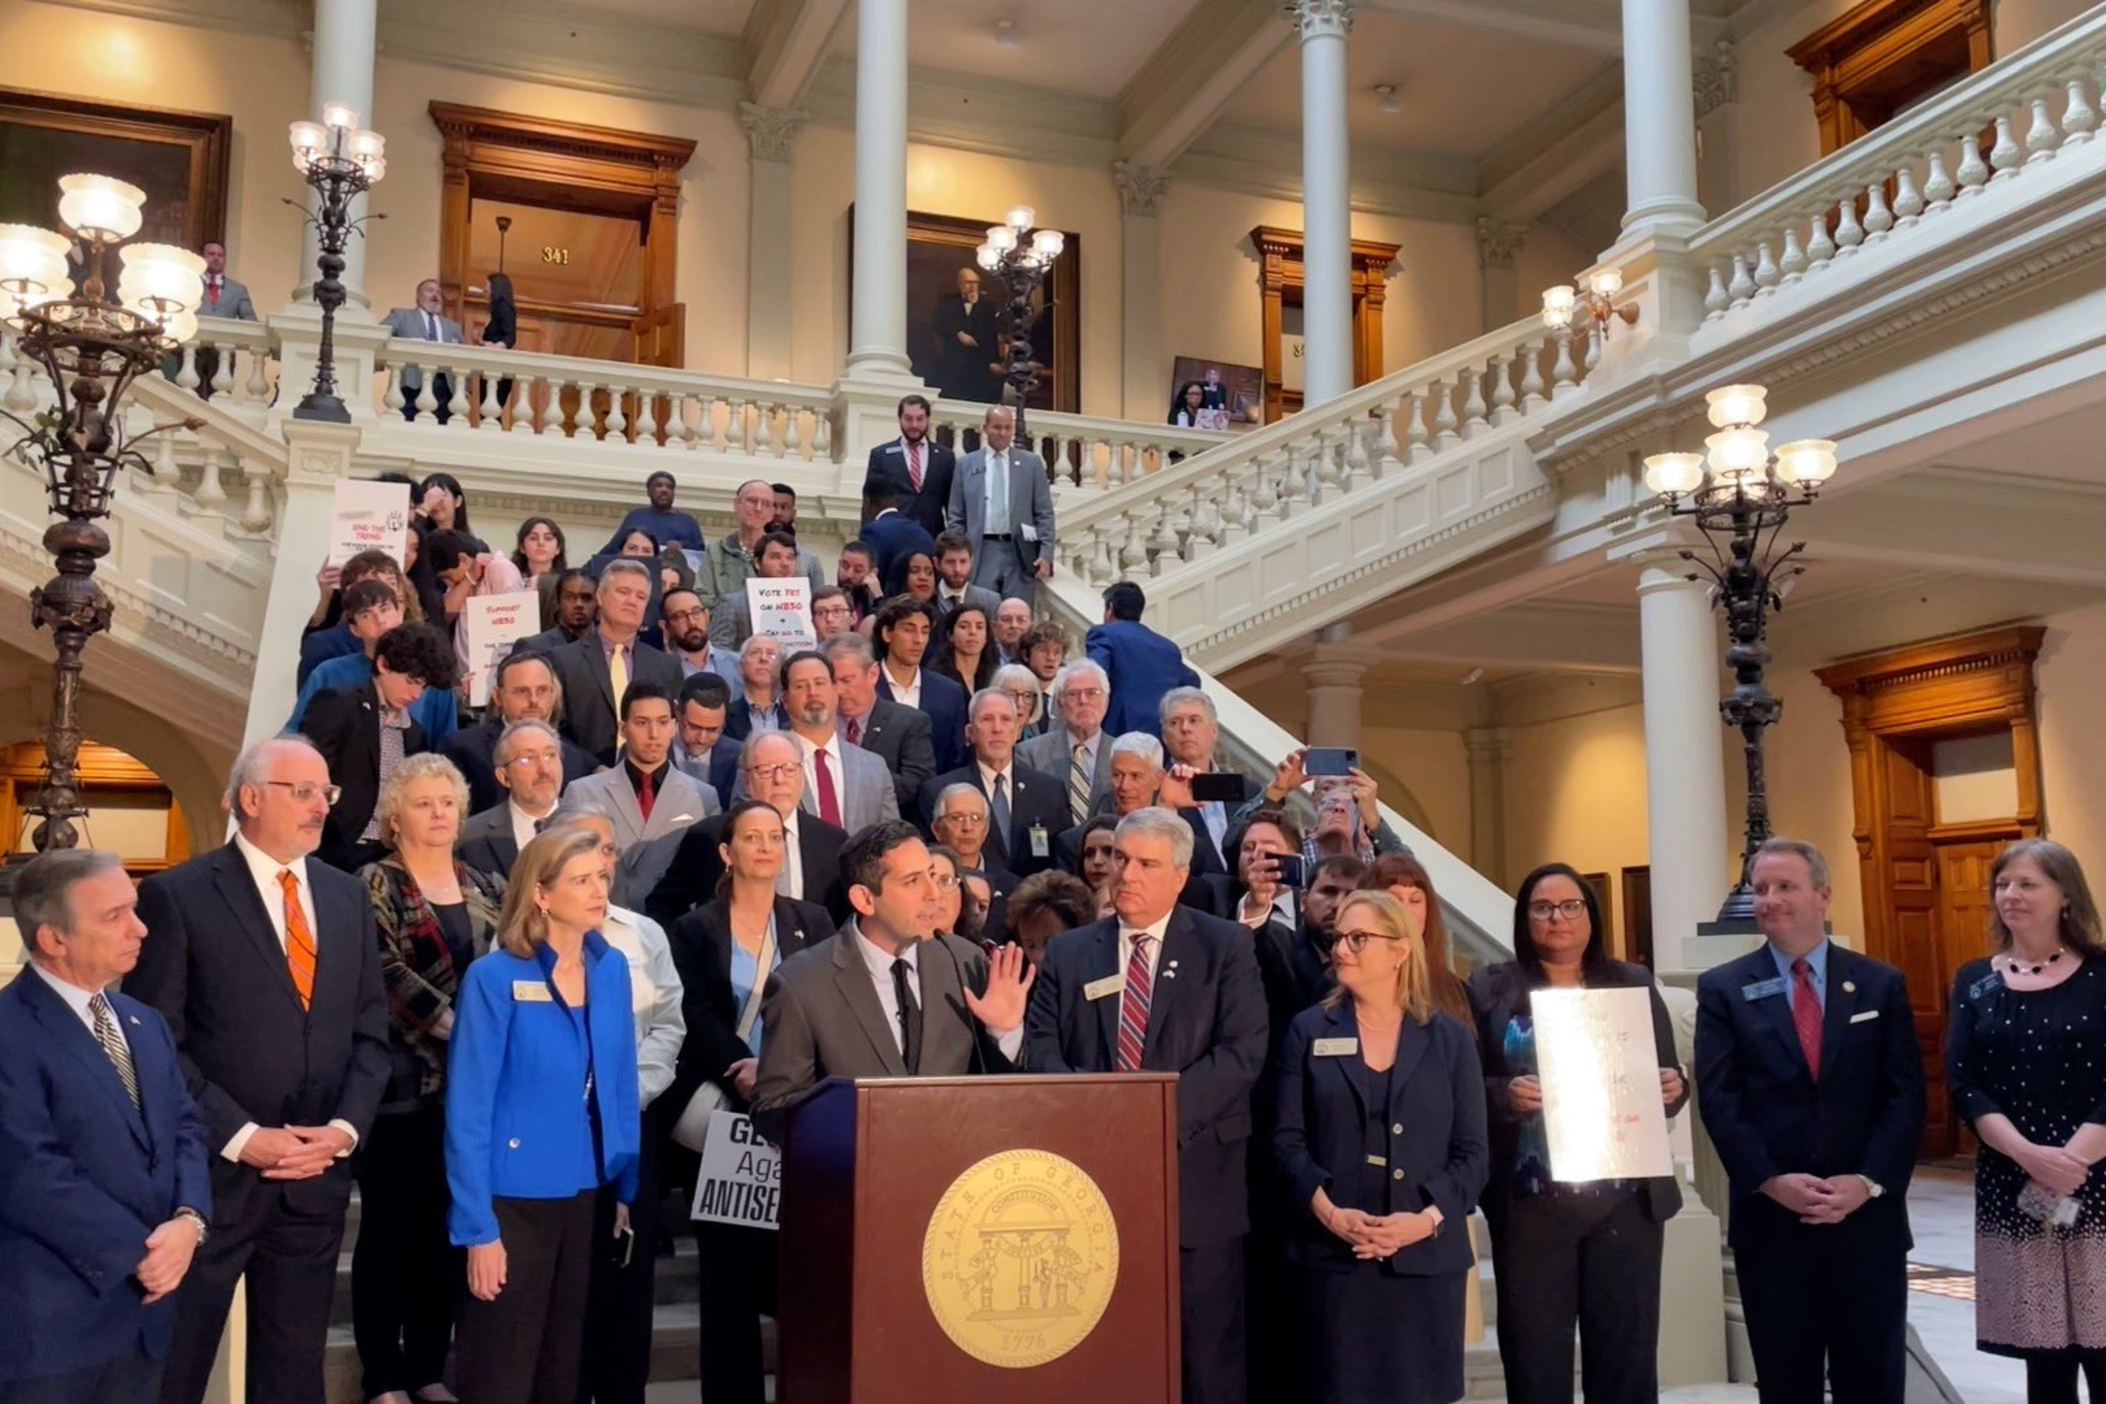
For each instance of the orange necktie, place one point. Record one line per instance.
(299, 941)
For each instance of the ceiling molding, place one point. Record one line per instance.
(282, 19)
(1557, 152)
(787, 41)
(537, 41)
(1592, 25)
(1183, 86)
(1267, 161)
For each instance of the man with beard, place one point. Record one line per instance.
(666, 526)
(845, 785)
(685, 619)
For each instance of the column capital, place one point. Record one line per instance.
(1140, 187)
(1321, 19)
(771, 132)
(1339, 664)
(1498, 242)
(1717, 79)
(1488, 745)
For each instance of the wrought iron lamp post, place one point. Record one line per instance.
(90, 348)
(341, 161)
(1740, 496)
(1021, 256)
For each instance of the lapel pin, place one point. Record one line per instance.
(1849, 987)
(134, 1018)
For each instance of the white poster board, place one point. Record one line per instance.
(369, 517)
(1601, 1084)
(740, 1181)
(495, 624)
(782, 610)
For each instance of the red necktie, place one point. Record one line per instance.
(855, 732)
(646, 796)
(1133, 1008)
(829, 802)
(1806, 1015)
(914, 466)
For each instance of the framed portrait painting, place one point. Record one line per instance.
(1230, 396)
(178, 158)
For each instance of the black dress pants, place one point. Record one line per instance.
(285, 1239)
(524, 1347)
(122, 1379)
(1210, 1325)
(740, 1279)
(1815, 1295)
(405, 1274)
(622, 1293)
(1590, 1259)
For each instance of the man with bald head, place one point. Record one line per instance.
(1012, 618)
(266, 965)
(734, 559)
(1001, 501)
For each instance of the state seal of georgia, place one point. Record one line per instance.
(1020, 1258)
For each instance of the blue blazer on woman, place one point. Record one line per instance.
(1437, 1151)
(515, 1086)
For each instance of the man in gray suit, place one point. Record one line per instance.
(845, 785)
(887, 996)
(1077, 752)
(1000, 500)
(423, 322)
(528, 762)
(223, 297)
(954, 576)
(651, 800)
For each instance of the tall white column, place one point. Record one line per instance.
(1685, 782)
(1659, 119)
(342, 72)
(771, 138)
(1144, 372)
(878, 315)
(1487, 750)
(1327, 206)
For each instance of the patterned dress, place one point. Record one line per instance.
(2038, 1057)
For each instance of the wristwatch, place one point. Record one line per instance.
(1873, 1188)
(204, 1228)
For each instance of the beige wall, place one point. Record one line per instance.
(1575, 793)
(1547, 258)
(1434, 769)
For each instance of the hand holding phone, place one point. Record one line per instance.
(1330, 760)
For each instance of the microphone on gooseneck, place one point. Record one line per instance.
(978, 1058)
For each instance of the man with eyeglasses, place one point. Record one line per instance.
(684, 616)
(522, 688)
(529, 769)
(1027, 805)
(1078, 751)
(771, 770)
(700, 746)
(1186, 998)
(266, 965)
(961, 825)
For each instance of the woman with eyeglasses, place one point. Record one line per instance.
(1567, 1252)
(1379, 1144)
(725, 950)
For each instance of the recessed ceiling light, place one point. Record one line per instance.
(1005, 33)
(1387, 92)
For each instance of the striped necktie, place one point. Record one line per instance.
(113, 1044)
(299, 941)
(1079, 784)
(1133, 1007)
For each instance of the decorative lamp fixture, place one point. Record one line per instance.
(1595, 302)
(1020, 256)
(91, 344)
(1740, 495)
(341, 161)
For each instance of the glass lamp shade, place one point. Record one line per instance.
(1731, 405)
(1022, 217)
(1606, 282)
(987, 256)
(13, 303)
(368, 146)
(161, 276)
(1674, 472)
(1736, 454)
(180, 328)
(1047, 244)
(1558, 303)
(1001, 238)
(100, 208)
(375, 170)
(31, 259)
(339, 116)
(1808, 461)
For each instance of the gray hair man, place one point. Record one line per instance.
(1075, 751)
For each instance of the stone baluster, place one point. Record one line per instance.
(2079, 118)
(166, 473)
(392, 400)
(1264, 496)
(1848, 232)
(223, 372)
(1593, 358)
(1294, 484)
(1716, 299)
(823, 436)
(2005, 157)
(186, 372)
(1206, 526)
(646, 419)
(1878, 218)
(259, 387)
(1563, 378)
(1742, 285)
(457, 404)
(763, 442)
(617, 417)
(492, 414)
(1502, 388)
(1133, 557)
(1235, 504)
(1102, 558)
(427, 400)
(1163, 547)
(1473, 401)
(1328, 479)
(1820, 248)
(211, 493)
(1792, 262)
(548, 408)
(1418, 441)
(1938, 187)
(256, 507)
(1767, 275)
(735, 426)
(1909, 203)
(1974, 172)
(1531, 379)
(792, 439)
(2043, 136)
(1386, 434)
(1360, 472)
(1444, 422)
(21, 395)
(685, 426)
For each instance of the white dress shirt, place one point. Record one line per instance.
(524, 824)
(837, 774)
(791, 879)
(264, 870)
(1155, 954)
(879, 963)
(654, 995)
(77, 1000)
(908, 695)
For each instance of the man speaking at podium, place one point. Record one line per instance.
(888, 996)
(1162, 988)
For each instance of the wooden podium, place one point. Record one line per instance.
(1024, 1258)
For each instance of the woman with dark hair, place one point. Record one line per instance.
(913, 574)
(964, 656)
(725, 950)
(1561, 1251)
(1186, 405)
(640, 544)
(1404, 878)
(540, 549)
(441, 505)
(2025, 1056)
(501, 332)
(1093, 859)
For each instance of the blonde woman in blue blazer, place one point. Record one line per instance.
(547, 1010)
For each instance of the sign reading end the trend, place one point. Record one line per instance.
(740, 1181)
(369, 516)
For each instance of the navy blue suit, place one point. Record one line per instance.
(1142, 665)
(85, 1178)
(893, 537)
(943, 702)
(1833, 1290)
(1207, 1024)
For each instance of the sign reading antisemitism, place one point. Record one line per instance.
(369, 516)
(782, 610)
(740, 1181)
(1601, 1085)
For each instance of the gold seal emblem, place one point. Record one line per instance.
(1020, 1258)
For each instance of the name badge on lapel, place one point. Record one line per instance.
(1762, 989)
(531, 992)
(1109, 985)
(1336, 1047)
(1867, 1014)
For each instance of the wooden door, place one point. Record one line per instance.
(1910, 894)
(1963, 935)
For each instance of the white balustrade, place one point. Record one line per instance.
(2037, 103)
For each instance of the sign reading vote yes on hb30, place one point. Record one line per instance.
(782, 610)
(740, 1181)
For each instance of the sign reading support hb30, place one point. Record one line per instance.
(741, 1177)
